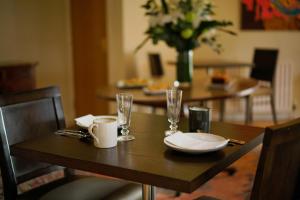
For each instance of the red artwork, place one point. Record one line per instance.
(271, 14)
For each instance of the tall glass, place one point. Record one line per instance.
(174, 97)
(124, 104)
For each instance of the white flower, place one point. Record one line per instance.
(153, 21)
(173, 3)
(196, 22)
(176, 15)
(160, 20)
(207, 18)
(210, 33)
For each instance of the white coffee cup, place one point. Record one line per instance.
(104, 130)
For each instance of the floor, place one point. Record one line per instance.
(224, 186)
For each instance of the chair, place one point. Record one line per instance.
(265, 61)
(156, 67)
(278, 172)
(39, 112)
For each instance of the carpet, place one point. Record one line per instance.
(223, 186)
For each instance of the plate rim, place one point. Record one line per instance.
(194, 151)
(155, 92)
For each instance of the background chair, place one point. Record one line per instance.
(265, 61)
(278, 173)
(32, 114)
(156, 67)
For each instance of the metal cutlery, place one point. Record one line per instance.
(234, 141)
(231, 141)
(73, 133)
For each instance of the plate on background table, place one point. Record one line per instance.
(156, 88)
(132, 83)
(87, 120)
(195, 143)
(147, 91)
(221, 86)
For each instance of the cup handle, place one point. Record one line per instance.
(90, 129)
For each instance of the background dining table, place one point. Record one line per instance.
(197, 92)
(220, 64)
(146, 159)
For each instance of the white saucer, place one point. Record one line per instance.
(220, 142)
(85, 126)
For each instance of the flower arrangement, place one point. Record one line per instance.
(183, 24)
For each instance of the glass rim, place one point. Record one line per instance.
(199, 108)
(124, 94)
(174, 89)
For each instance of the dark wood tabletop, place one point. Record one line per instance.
(199, 91)
(146, 159)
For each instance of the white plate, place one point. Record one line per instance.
(204, 137)
(154, 92)
(221, 86)
(91, 121)
(123, 85)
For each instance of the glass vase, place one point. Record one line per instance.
(184, 67)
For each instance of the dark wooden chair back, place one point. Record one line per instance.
(265, 61)
(278, 172)
(24, 116)
(155, 65)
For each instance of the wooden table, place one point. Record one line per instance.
(146, 159)
(196, 93)
(219, 64)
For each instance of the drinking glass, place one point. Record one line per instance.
(174, 97)
(124, 104)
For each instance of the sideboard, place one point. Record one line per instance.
(17, 76)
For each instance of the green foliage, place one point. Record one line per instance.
(183, 24)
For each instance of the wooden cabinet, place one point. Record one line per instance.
(17, 76)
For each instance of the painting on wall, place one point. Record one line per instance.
(270, 14)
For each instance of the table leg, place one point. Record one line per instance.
(249, 115)
(202, 103)
(148, 192)
(153, 110)
(222, 110)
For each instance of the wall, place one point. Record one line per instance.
(115, 40)
(40, 31)
(35, 30)
(239, 48)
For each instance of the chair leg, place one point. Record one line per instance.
(222, 110)
(68, 172)
(273, 109)
(202, 103)
(153, 110)
(177, 194)
(249, 114)
(230, 171)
